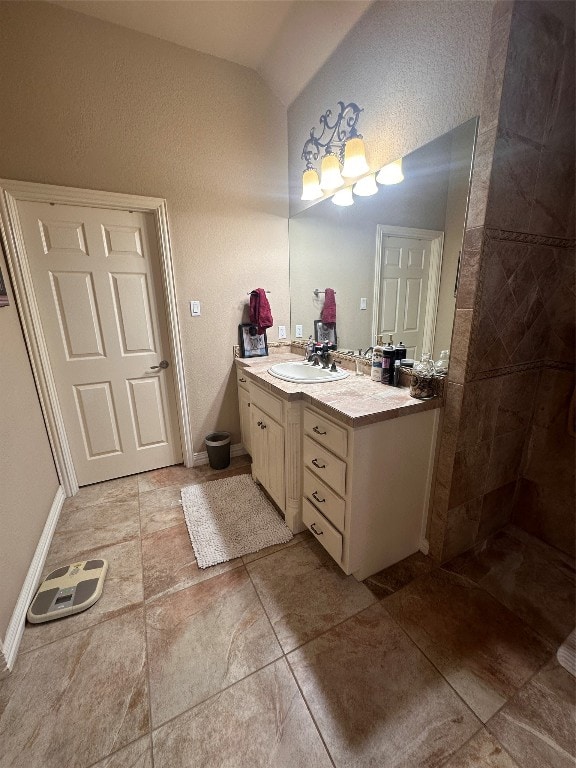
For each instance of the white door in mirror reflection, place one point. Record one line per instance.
(406, 288)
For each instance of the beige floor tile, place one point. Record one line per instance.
(303, 536)
(169, 562)
(538, 726)
(135, 755)
(395, 577)
(180, 475)
(160, 509)
(204, 638)
(110, 492)
(81, 531)
(122, 591)
(482, 751)
(376, 698)
(75, 701)
(537, 582)
(305, 593)
(484, 651)
(261, 722)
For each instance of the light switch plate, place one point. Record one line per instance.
(194, 308)
(363, 304)
(299, 332)
(281, 331)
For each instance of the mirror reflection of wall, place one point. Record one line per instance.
(334, 247)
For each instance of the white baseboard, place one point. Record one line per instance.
(9, 646)
(202, 457)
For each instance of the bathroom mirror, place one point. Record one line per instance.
(392, 258)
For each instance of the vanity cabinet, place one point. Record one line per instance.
(362, 491)
(365, 490)
(244, 406)
(275, 439)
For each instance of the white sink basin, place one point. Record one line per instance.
(305, 373)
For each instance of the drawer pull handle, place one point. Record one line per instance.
(263, 426)
(242, 380)
(248, 405)
(320, 466)
(314, 496)
(318, 533)
(259, 424)
(315, 429)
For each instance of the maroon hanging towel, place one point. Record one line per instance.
(260, 312)
(328, 314)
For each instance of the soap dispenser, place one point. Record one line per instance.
(376, 370)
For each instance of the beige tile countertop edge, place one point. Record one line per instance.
(356, 400)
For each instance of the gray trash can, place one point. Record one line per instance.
(218, 447)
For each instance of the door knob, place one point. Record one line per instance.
(162, 364)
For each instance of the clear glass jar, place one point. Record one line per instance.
(425, 367)
(441, 365)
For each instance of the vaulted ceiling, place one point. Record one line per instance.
(285, 41)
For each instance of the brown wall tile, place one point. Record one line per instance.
(505, 459)
(497, 507)
(469, 268)
(459, 346)
(461, 528)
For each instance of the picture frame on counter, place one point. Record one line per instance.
(252, 343)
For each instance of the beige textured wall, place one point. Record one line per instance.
(28, 480)
(89, 104)
(417, 68)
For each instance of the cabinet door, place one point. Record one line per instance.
(244, 400)
(258, 440)
(275, 458)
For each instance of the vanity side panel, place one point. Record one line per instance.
(389, 484)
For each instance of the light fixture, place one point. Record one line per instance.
(366, 186)
(339, 142)
(343, 197)
(330, 176)
(391, 173)
(311, 185)
(355, 158)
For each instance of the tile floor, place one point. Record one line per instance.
(278, 660)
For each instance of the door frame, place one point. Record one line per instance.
(13, 192)
(436, 238)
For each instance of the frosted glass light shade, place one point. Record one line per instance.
(311, 185)
(343, 197)
(330, 176)
(366, 186)
(355, 159)
(391, 173)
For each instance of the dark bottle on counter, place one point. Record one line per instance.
(400, 352)
(388, 358)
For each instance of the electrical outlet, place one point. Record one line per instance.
(363, 304)
(194, 308)
(281, 331)
(299, 332)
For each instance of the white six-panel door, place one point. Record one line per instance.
(404, 275)
(97, 282)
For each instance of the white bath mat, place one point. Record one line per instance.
(230, 517)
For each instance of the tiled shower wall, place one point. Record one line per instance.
(504, 442)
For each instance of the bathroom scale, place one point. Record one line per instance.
(68, 590)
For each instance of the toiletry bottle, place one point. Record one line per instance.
(388, 357)
(397, 365)
(376, 370)
(400, 352)
(441, 365)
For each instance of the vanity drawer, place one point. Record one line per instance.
(324, 498)
(267, 403)
(325, 465)
(241, 377)
(324, 531)
(325, 432)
